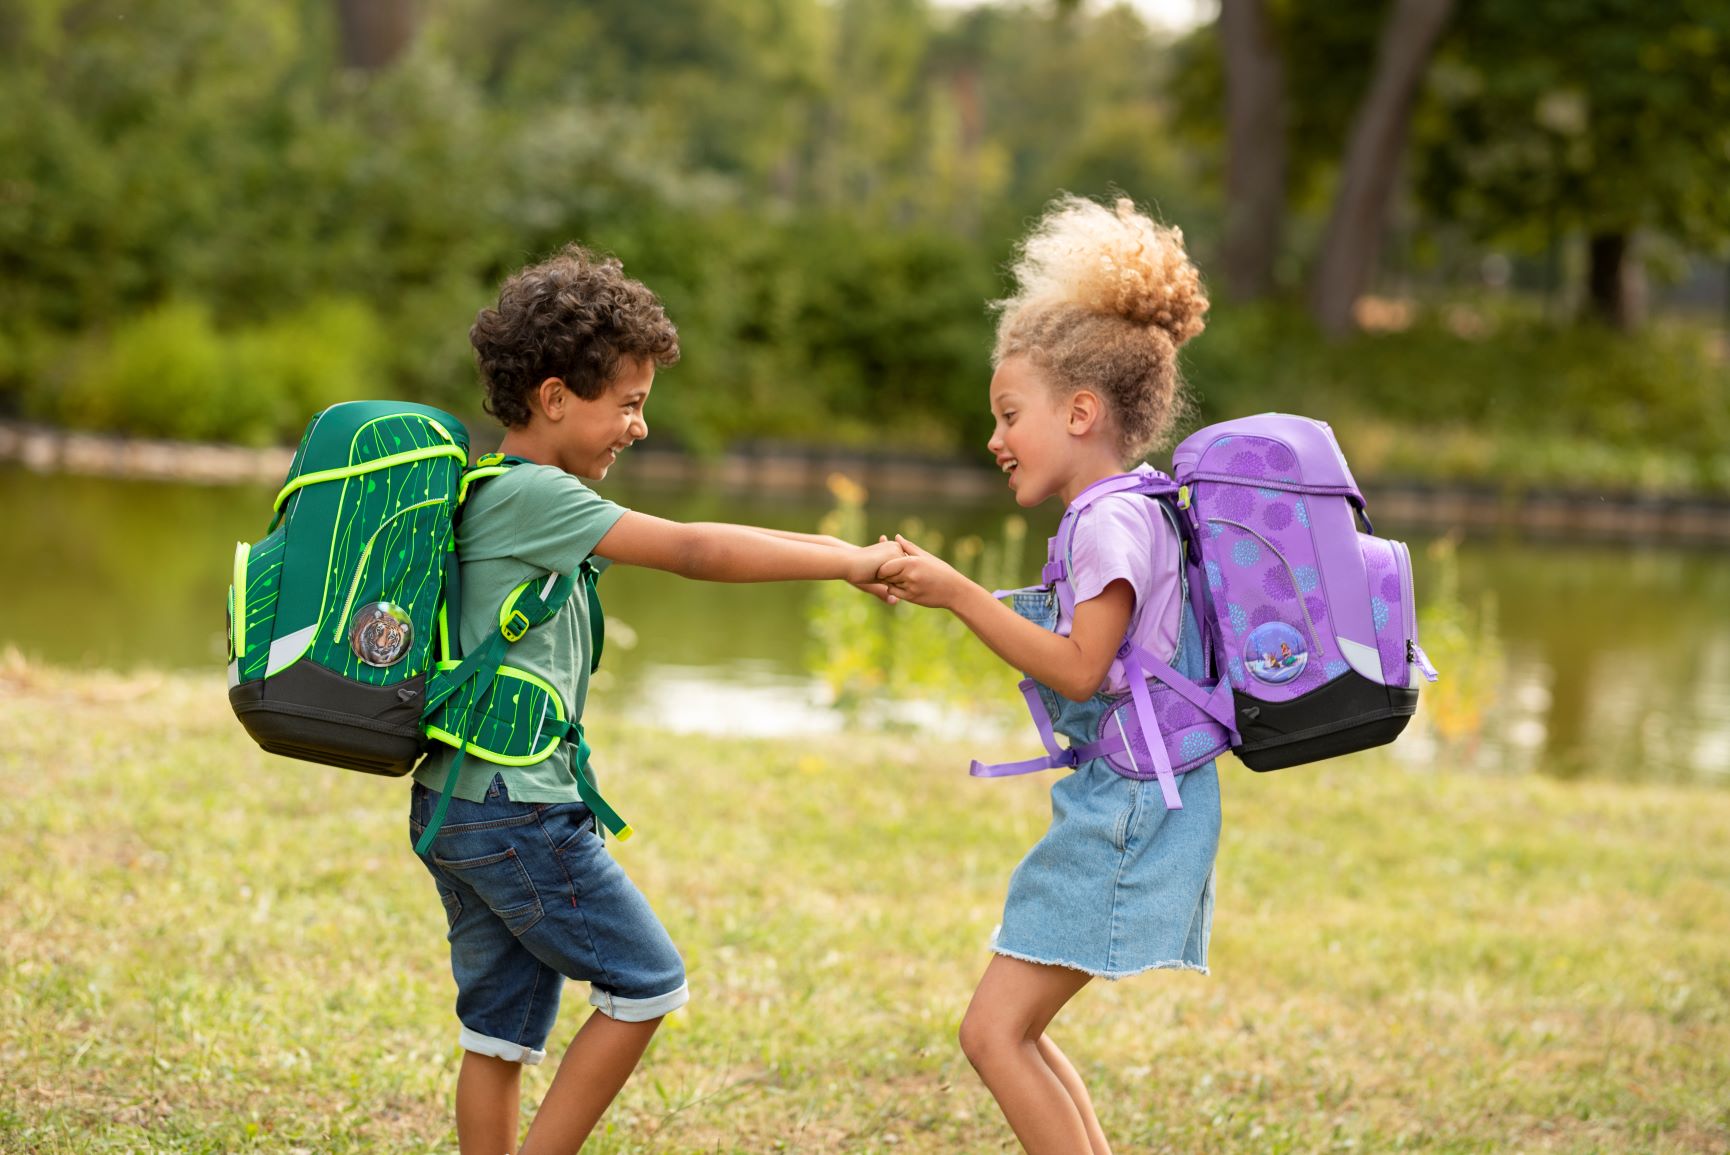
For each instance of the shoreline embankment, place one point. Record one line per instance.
(784, 469)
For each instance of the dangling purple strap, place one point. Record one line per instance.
(1423, 660)
(1056, 756)
(1060, 757)
(1150, 728)
(1217, 705)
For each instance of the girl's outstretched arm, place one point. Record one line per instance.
(1073, 666)
(715, 551)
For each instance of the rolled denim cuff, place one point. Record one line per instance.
(499, 1048)
(638, 1010)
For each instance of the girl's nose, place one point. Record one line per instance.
(640, 427)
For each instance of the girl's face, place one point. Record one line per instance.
(1031, 439)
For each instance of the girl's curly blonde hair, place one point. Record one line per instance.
(1104, 298)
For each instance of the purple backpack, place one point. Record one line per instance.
(1312, 622)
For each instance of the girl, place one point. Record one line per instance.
(1085, 384)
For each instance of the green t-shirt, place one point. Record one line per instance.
(531, 521)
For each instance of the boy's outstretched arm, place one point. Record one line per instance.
(875, 588)
(714, 551)
(1074, 666)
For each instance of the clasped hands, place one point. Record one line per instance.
(906, 573)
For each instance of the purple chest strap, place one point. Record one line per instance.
(1138, 664)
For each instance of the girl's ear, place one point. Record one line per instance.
(1084, 410)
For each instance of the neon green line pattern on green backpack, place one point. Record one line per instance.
(401, 560)
(257, 603)
(509, 727)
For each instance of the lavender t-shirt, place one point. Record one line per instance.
(1126, 536)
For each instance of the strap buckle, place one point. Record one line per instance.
(511, 629)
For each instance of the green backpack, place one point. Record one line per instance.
(340, 641)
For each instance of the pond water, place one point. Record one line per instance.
(1599, 661)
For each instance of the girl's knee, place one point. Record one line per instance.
(983, 1039)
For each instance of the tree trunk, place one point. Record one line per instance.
(1616, 282)
(1255, 148)
(375, 32)
(1372, 160)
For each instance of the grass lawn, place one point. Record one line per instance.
(207, 949)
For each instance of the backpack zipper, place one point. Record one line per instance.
(1297, 593)
(237, 599)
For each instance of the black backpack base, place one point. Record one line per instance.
(1363, 713)
(309, 712)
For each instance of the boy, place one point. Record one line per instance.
(532, 897)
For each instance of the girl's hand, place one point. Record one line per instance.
(921, 578)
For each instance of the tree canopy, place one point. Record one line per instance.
(213, 219)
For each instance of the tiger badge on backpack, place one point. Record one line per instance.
(342, 640)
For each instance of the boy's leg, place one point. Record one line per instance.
(489, 1097)
(599, 1060)
(1000, 1035)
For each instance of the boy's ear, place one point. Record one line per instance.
(550, 397)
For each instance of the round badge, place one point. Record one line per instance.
(1274, 653)
(381, 634)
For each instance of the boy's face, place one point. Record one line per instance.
(591, 433)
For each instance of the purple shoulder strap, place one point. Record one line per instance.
(1056, 571)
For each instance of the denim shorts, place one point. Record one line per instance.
(533, 897)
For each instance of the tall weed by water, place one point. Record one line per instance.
(1464, 643)
(867, 652)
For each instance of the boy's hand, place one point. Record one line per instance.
(871, 585)
(867, 561)
(921, 578)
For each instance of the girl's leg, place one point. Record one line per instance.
(1071, 1079)
(595, 1067)
(1001, 1035)
(489, 1095)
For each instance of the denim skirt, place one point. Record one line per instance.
(1119, 884)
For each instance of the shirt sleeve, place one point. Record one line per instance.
(561, 521)
(1119, 540)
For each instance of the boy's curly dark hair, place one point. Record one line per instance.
(574, 316)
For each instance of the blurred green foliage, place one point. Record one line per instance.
(209, 226)
(1485, 392)
(806, 184)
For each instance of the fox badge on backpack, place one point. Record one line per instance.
(341, 641)
(1308, 626)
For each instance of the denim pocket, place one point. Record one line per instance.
(567, 825)
(453, 905)
(502, 883)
